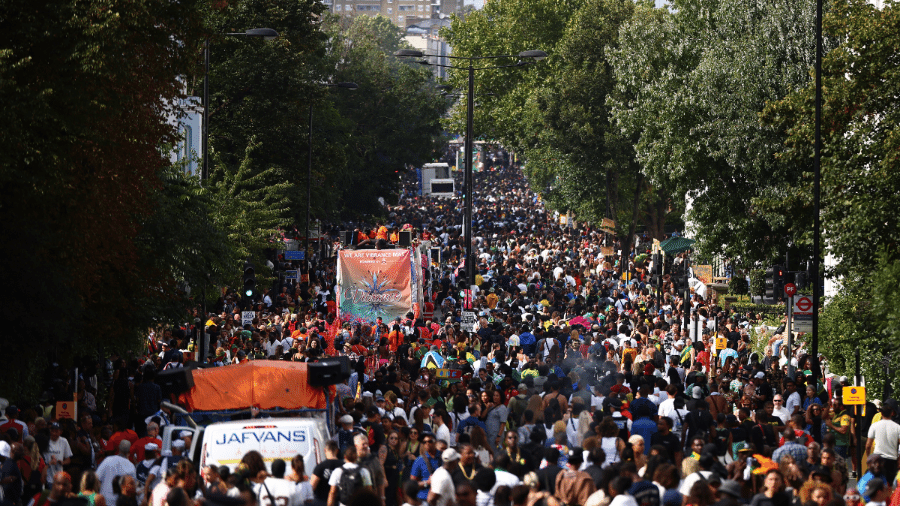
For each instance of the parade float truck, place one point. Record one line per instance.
(280, 409)
(384, 283)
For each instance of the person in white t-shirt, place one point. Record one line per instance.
(350, 465)
(442, 491)
(441, 429)
(111, 468)
(58, 453)
(883, 438)
(270, 491)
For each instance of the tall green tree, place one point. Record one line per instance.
(392, 120)
(260, 91)
(83, 94)
(555, 113)
(860, 176)
(692, 82)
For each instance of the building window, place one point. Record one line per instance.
(421, 7)
(406, 8)
(390, 10)
(368, 8)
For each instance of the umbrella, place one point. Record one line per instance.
(675, 245)
(432, 360)
(580, 320)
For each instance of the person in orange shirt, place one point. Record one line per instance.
(395, 338)
(300, 334)
(395, 236)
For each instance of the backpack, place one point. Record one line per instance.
(351, 481)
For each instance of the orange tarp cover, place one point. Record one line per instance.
(265, 384)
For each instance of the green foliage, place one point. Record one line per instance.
(555, 113)
(758, 282)
(691, 83)
(738, 285)
(392, 121)
(860, 165)
(860, 179)
(82, 86)
(248, 210)
(848, 323)
(764, 309)
(261, 91)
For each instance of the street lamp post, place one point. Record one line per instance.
(349, 86)
(265, 34)
(524, 58)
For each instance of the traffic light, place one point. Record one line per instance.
(657, 264)
(249, 280)
(778, 281)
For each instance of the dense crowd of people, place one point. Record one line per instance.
(579, 385)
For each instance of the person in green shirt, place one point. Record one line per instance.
(841, 424)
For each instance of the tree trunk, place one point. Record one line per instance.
(626, 244)
(657, 211)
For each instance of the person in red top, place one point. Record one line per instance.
(122, 432)
(424, 333)
(62, 489)
(137, 449)
(12, 414)
(359, 349)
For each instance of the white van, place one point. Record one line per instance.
(225, 443)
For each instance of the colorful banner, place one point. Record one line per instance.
(375, 283)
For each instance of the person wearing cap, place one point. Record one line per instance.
(441, 491)
(699, 420)
(58, 453)
(425, 464)
(10, 475)
(344, 435)
(143, 467)
(728, 494)
(878, 492)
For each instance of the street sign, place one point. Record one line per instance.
(468, 321)
(66, 409)
(790, 289)
(291, 274)
(802, 314)
(721, 343)
(854, 396)
(294, 255)
(803, 305)
(247, 317)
